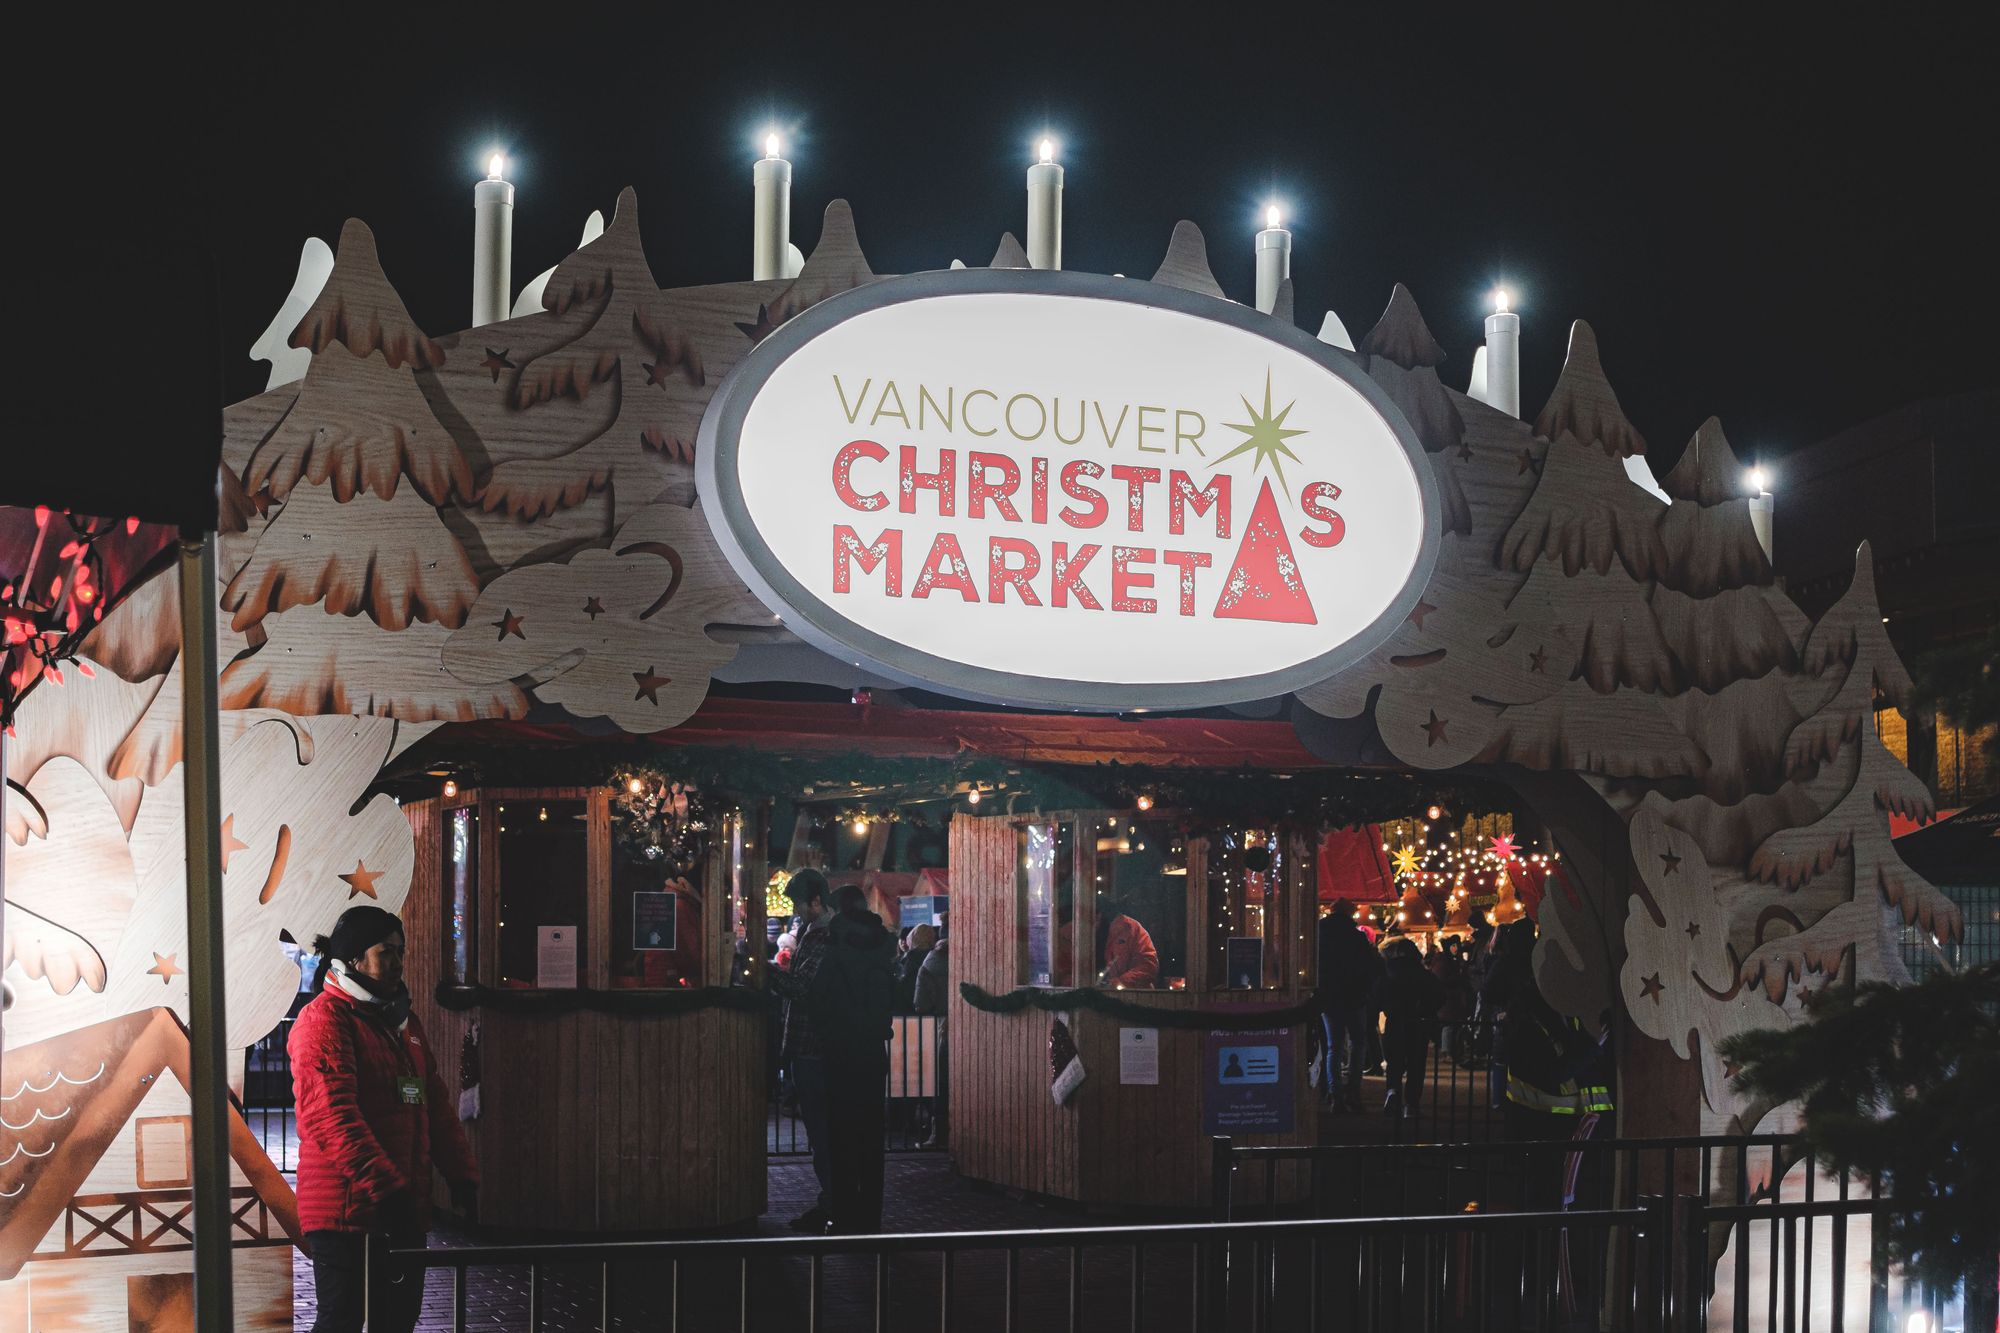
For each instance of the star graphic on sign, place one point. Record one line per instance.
(230, 842)
(1419, 611)
(1672, 863)
(1529, 463)
(165, 968)
(496, 362)
(1265, 437)
(361, 880)
(1538, 662)
(1464, 448)
(657, 372)
(1693, 929)
(1406, 861)
(508, 623)
(1651, 987)
(1503, 847)
(649, 685)
(760, 328)
(593, 608)
(1434, 729)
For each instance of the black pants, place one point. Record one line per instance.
(809, 1081)
(1407, 1047)
(339, 1266)
(856, 1121)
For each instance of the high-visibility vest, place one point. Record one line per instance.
(1570, 1098)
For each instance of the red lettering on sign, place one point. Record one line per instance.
(1038, 490)
(944, 481)
(978, 490)
(1001, 574)
(1265, 583)
(945, 567)
(1078, 490)
(1124, 579)
(1182, 496)
(1187, 562)
(886, 551)
(843, 466)
(1313, 500)
(1066, 576)
(1136, 480)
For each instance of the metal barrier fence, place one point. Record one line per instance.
(913, 1092)
(1461, 1089)
(1441, 1274)
(267, 1096)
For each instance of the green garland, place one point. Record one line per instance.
(658, 822)
(1230, 1019)
(634, 1002)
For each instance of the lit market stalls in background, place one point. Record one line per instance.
(1043, 490)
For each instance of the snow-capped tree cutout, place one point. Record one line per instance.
(1583, 407)
(1264, 581)
(56, 934)
(629, 346)
(1400, 354)
(1009, 254)
(85, 720)
(312, 663)
(529, 302)
(617, 631)
(358, 309)
(1708, 472)
(1186, 263)
(836, 265)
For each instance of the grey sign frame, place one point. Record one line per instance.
(816, 621)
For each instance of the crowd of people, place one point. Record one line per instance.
(1385, 1004)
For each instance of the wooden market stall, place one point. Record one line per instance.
(620, 1086)
(1118, 1140)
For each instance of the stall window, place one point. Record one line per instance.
(1249, 910)
(461, 894)
(1139, 882)
(1045, 891)
(543, 846)
(656, 935)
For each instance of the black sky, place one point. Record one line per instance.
(1781, 218)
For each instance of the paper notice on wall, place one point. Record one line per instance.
(1139, 1056)
(555, 958)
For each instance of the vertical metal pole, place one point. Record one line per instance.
(207, 1023)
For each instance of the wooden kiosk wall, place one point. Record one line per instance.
(1138, 1146)
(594, 1121)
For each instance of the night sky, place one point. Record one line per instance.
(1783, 221)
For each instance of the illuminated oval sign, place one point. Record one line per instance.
(1064, 490)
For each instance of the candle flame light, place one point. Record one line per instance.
(495, 167)
(771, 145)
(1272, 217)
(1048, 150)
(1501, 300)
(1759, 479)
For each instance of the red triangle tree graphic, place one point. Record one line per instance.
(1265, 582)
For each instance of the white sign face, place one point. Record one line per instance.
(1139, 1057)
(1048, 488)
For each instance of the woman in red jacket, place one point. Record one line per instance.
(373, 1118)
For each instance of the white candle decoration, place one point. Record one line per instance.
(492, 245)
(1274, 259)
(1502, 390)
(771, 215)
(1763, 511)
(1045, 188)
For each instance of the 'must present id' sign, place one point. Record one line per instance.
(1059, 489)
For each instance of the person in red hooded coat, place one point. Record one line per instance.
(374, 1117)
(1130, 960)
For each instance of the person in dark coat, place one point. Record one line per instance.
(934, 997)
(375, 1117)
(853, 999)
(1408, 999)
(1349, 967)
(917, 946)
(800, 1048)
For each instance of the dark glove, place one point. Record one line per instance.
(465, 1198)
(397, 1215)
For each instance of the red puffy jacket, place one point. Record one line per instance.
(360, 1143)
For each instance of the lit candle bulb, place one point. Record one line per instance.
(1503, 357)
(492, 244)
(1274, 259)
(771, 212)
(1763, 509)
(1045, 188)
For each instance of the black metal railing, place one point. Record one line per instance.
(913, 1093)
(267, 1096)
(1460, 1092)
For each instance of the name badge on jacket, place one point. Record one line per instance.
(411, 1090)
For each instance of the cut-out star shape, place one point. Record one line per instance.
(760, 328)
(508, 623)
(1671, 861)
(649, 685)
(1529, 463)
(1434, 729)
(657, 371)
(496, 362)
(1651, 987)
(1693, 929)
(1730, 1068)
(1419, 611)
(593, 608)
(230, 842)
(361, 880)
(165, 968)
(1464, 448)
(1406, 861)
(1265, 437)
(1538, 662)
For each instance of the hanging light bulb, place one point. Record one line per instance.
(860, 827)
(450, 789)
(972, 797)
(635, 786)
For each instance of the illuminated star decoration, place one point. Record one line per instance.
(1406, 861)
(1503, 848)
(1266, 434)
(165, 968)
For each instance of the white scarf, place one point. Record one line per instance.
(337, 972)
